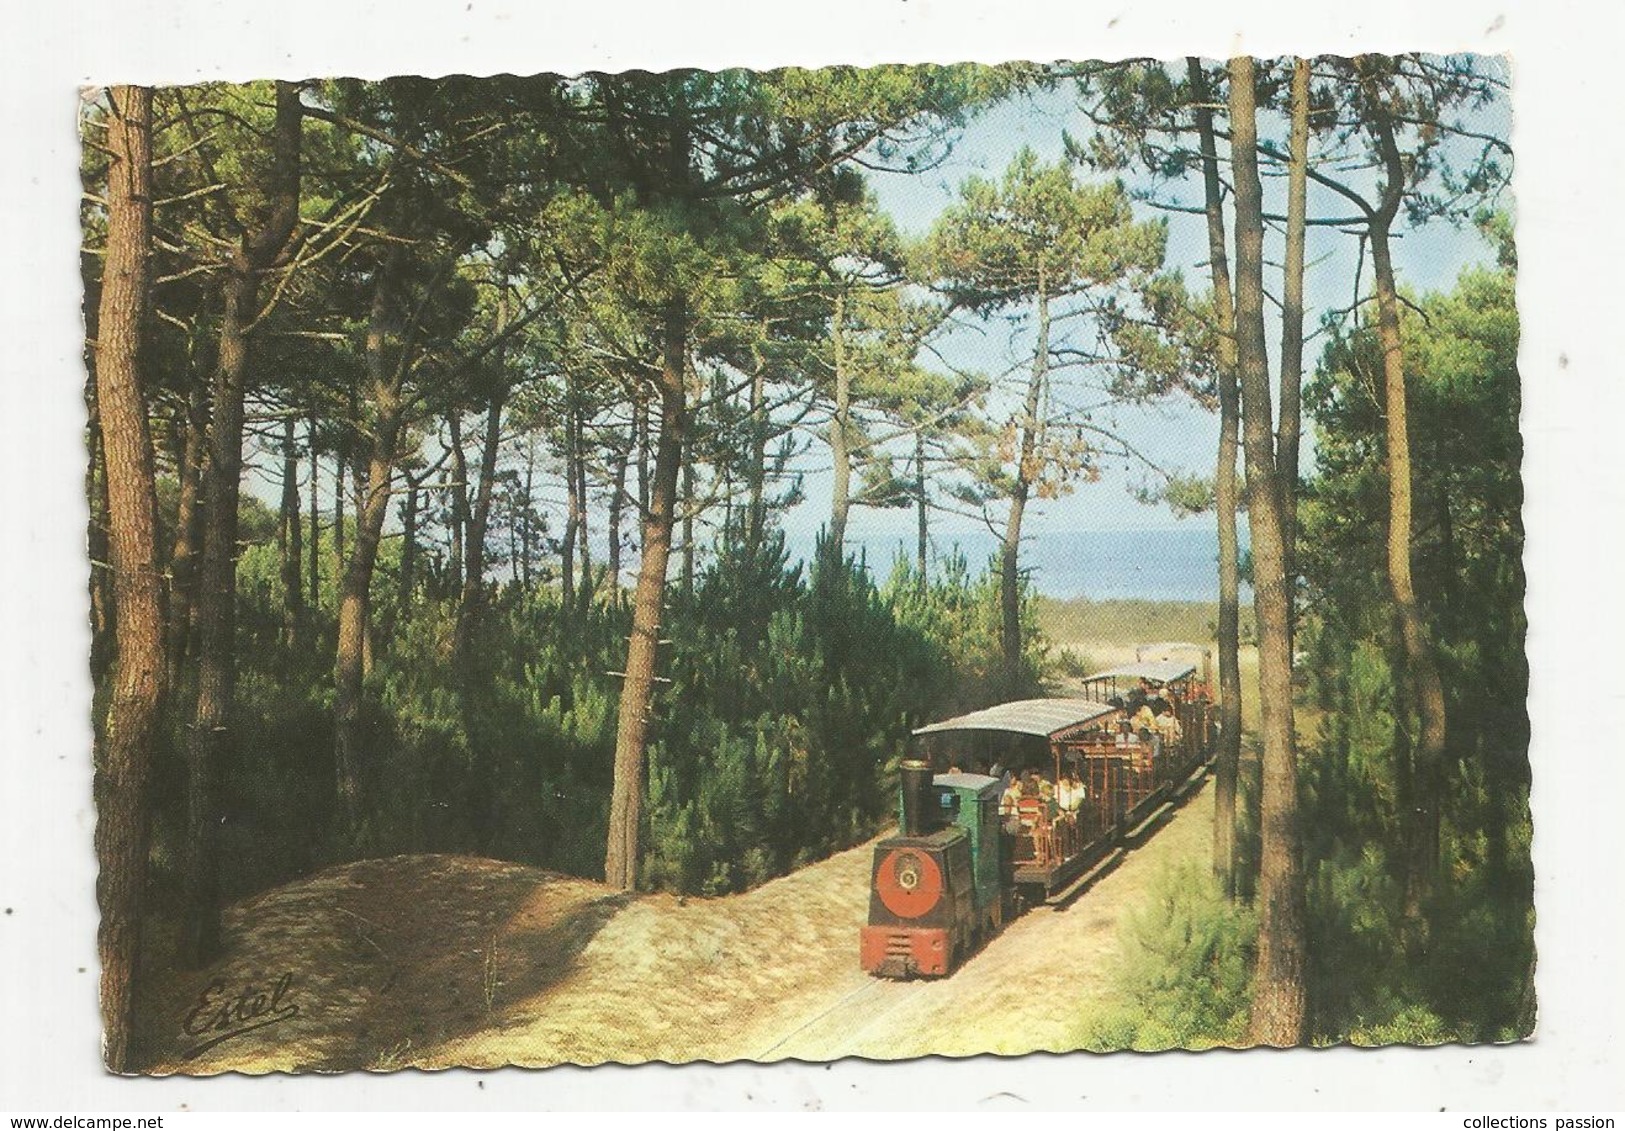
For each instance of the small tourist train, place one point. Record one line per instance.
(1024, 802)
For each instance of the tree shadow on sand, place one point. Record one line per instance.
(372, 964)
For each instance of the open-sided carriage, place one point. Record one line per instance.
(1163, 684)
(1055, 831)
(1078, 774)
(1017, 803)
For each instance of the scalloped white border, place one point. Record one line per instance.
(1566, 68)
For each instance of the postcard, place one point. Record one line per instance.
(798, 564)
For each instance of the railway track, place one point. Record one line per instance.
(1027, 988)
(873, 990)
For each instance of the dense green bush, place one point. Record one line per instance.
(1460, 967)
(791, 696)
(958, 614)
(789, 707)
(1183, 977)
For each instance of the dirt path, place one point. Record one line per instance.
(442, 961)
(1027, 991)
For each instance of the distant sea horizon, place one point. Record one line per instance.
(1167, 564)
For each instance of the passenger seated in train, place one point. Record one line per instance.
(1046, 790)
(1168, 727)
(1069, 793)
(1145, 721)
(1028, 799)
(1011, 798)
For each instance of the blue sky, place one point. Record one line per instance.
(1175, 435)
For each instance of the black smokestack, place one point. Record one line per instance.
(916, 781)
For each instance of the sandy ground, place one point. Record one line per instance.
(435, 961)
(1028, 990)
(1098, 654)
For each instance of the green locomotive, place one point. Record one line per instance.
(1068, 781)
(941, 885)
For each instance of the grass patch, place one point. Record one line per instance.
(1130, 621)
(1183, 976)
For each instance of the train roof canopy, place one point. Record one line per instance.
(1041, 717)
(1158, 671)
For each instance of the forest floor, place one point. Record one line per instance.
(439, 961)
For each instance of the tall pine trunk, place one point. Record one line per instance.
(756, 465)
(210, 742)
(515, 538)
(1427, 689)
(338, 515)
(1288, 430)
(125, 755)
(648, 602)
(1026, 475)
(617, 508)
(640, 430)
(473, 595)
(459, 498)
(624, 838)
(291, 540)
(102, 626)
(572, 515)
(355, 588)
(1279, 1008)
(315, 570)
(840, 434)
(922, 540)
(183, 555)
(360, 476)
(528, 544)
(409, 541)
(583, 545)
(355, 606)
(690, 508)
(1228, 766)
